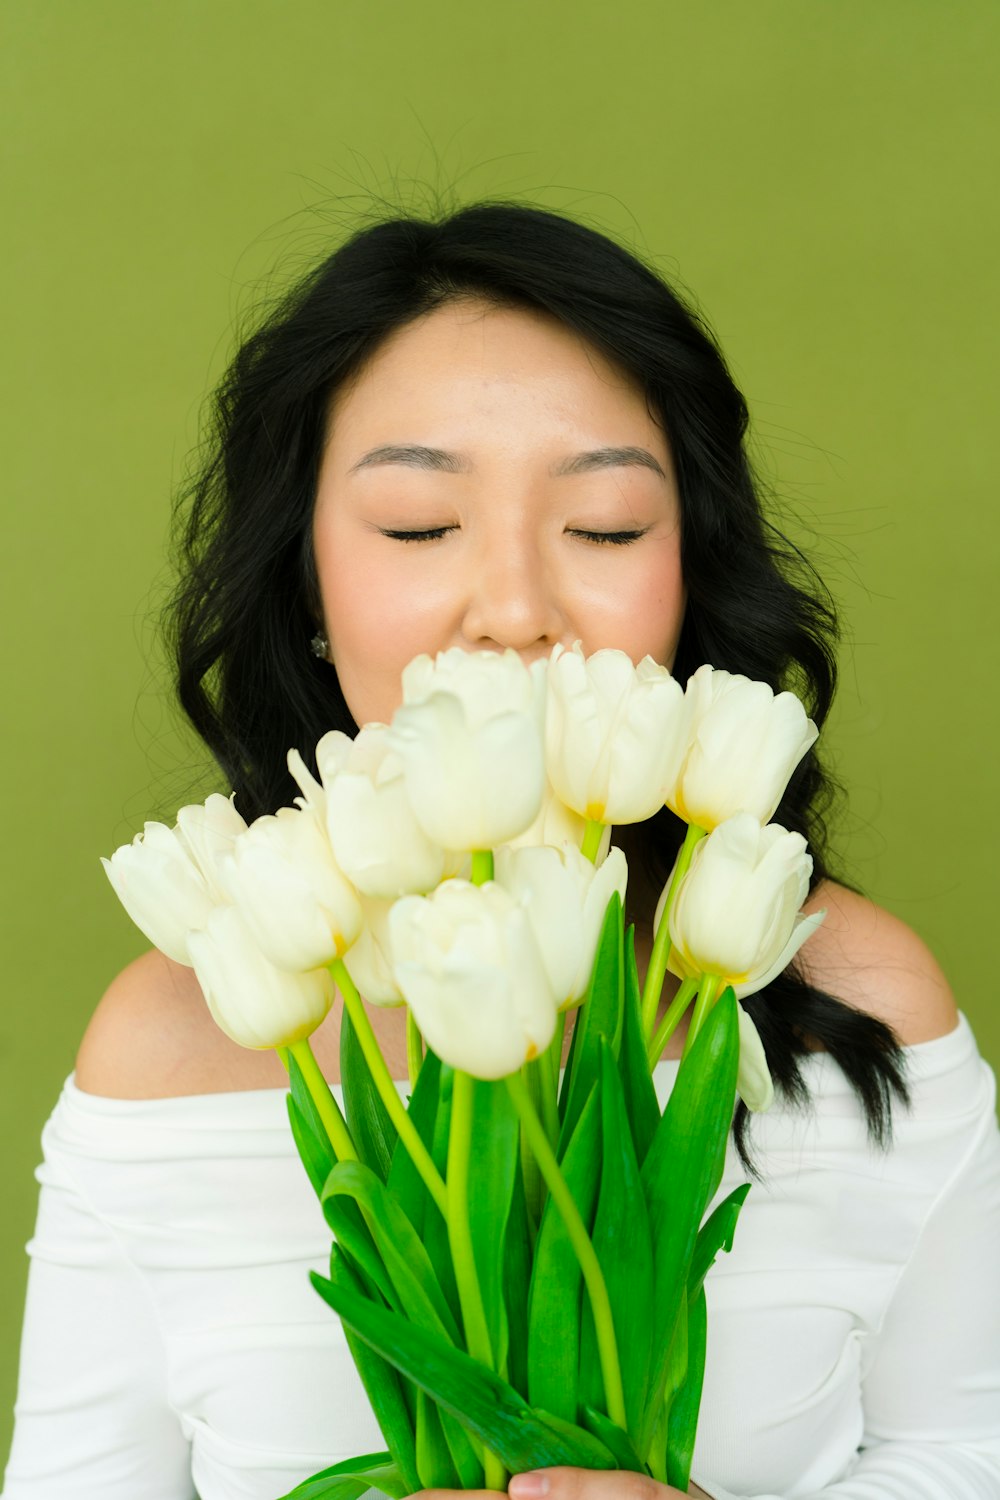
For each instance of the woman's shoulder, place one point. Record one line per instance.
(152, 1036)
(874, 961)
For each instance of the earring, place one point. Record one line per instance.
(319, 645)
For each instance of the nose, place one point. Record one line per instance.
(512, 598)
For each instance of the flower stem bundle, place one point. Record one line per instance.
(520, 1248)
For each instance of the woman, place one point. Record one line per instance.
(501, 430)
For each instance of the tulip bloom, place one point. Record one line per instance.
(745, 742)
(467, 963)
(300, 907)
(167, 879)
(736, 912)
(377, 840)
(369, 959)
(251, 999)
(615, 733)
(470, 736)
(565, 897)
(556, 825)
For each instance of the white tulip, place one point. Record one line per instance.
(162, 889)
(251, 999)
(745, 742)
(753, 1077)
(470, 736)
(369, 959)
(301, 908)
(736, 911)
(210, 829)
(468, 966)
(565, 898)
(556, 825)
(377, 840)
(615, 733)
(167, 878)
(312, 791)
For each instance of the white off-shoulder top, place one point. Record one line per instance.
(173, 1345)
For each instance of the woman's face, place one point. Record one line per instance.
(489, 479)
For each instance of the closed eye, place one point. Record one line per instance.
(614, 538)
(434, 533)
(431, 534)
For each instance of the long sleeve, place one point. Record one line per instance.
(173, 1344)
(92, 1417)
(930, 1373)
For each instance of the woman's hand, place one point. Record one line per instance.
(575, 1484)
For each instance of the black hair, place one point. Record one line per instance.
(247, 603)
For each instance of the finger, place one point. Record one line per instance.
(587, 1484)
(455, 1494)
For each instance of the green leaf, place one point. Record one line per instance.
(641, 1104)
(367, 1117)
(715, 1234)
(486, 1405)
(554, 1299)
(599, 1016)
(517, 1282)
(430, 1111)
(435, 1235)
(434, 1463)
(353, 1234)
(316, 1154)
(623, 1243)
(617, 1442)
(601, 1456)
(405, 1182)
(683, 1169)
(467, 1464)
(408, 1265)
(349, 1479)
(386, 1390)
(682, 1419)
(308, 1130)
(492, 1170)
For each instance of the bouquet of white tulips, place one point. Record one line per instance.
(520, 1253)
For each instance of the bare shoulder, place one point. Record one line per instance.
(152, 1037)
(875, 962)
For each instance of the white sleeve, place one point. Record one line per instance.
(92, 1419)
(931, 1391)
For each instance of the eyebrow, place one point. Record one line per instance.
(416, 456)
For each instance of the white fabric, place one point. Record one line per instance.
(173, 1343)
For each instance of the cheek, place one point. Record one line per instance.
(644, 613)
(375, 624)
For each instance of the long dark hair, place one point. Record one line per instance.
(247, 604)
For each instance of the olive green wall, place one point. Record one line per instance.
(821, 175)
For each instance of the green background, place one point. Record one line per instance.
(822, 176)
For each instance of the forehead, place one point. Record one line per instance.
(471, 361)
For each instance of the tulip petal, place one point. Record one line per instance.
(804, 928)
(753, 1077)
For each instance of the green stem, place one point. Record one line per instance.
(548, 1070)
(326, 1105)
(382, 1079)
(671, 1020)
(709, 988)
(592, 835)
(600, 1303)
(661, 942)
(477, 1336)
(482, 866)
(414, 1049)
